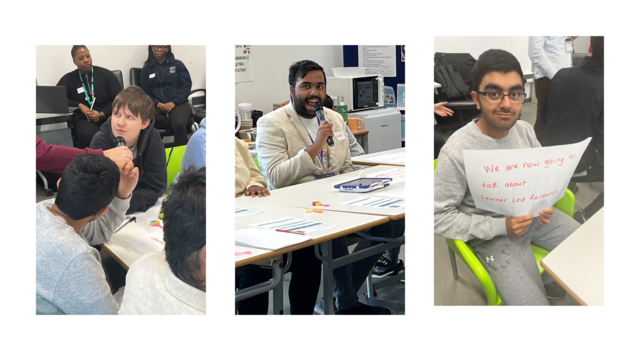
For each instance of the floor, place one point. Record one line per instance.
(467, 289)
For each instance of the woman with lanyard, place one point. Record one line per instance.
(168, 83)
(91, 89)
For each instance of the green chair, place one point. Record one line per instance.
(257, 164)
(174, 162)
(565, 204)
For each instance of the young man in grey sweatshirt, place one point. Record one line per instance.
(93, 196)
(501, 243)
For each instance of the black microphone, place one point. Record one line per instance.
(119, 141)
(320, 114)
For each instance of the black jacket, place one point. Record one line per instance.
(150, 160)
(573, 110)
(171, 81)
(105, 85)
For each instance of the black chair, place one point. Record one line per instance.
(199, 105)
(447, 67)
(118, 75)
(458, 107)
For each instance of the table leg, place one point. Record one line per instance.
(327, 277)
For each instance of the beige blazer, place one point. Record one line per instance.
(281, 141)
(247, 173)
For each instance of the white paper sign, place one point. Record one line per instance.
(243, 64)
(521, 181)
(378, 59)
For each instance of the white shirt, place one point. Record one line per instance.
(311, 124)
(549, 54)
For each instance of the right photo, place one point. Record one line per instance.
(519, 170)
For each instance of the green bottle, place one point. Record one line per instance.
(342, 109)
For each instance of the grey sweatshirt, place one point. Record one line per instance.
(69, 275)
(455, 213)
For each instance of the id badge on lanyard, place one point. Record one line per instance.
(568, 44)
(325, 173)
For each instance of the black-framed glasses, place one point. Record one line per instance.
(161, 47)
(494, 97)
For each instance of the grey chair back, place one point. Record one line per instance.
(118, 75)
(134, 76)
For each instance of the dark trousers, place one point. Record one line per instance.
(85, 130)
(594, 174)
(303, 288)
(178, 120)
(541, 86)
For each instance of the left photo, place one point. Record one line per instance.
(120, 180)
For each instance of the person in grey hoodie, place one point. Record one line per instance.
(93, 196)
(501, 243)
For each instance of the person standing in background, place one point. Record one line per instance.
(548, 54)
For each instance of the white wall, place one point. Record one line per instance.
(53, 61)
(476, 45)
(271, 72)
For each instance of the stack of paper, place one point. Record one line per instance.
(265, 239)
(397, 174)
(372, 201)
(245, 212)
(292, 224)
(152, 242)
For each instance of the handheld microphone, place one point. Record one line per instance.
(320, 114)
(119, 141)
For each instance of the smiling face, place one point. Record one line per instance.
(308, 91)
(498, 118)
(127, 125)
(82, 59)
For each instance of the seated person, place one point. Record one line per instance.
(167, 81)
(573, 110)
(498, 91)
(55, 158)
(174, 282)
(292, 150)
(196, 152)
(438, 140)
(133, 120)
(89, 85)
(93, 195)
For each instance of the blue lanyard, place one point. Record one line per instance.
(85, 89)
(321, 154)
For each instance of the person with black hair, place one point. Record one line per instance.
(174, 282)
(573, 111)
(167, 81)
(89, 85)
(502, 244)
(93, 195)
(292, 149)
(132, 120)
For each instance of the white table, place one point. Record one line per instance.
(367, 158)
(302, 195)
(578, 263)
(119, 248)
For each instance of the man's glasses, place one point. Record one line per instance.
(494, 97)
(160, 47)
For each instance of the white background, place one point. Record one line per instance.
(426, 332)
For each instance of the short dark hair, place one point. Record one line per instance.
(76, 48)
(597, 47)
(301, 68)
(136, 100)
(494, 60)
(88, 185)
(150, 55)
(185, 225)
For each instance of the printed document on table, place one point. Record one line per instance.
(245, 252)
(265, 239)
(395, 158)
(395, 193)
(397, 173)
(292, 224)
(245, 212)
(372, 201)
(152, 242)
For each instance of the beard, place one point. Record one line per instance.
(300, 106)
(495, 122)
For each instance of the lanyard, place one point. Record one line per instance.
(321, 153)
(85, 89)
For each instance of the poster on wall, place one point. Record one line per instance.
(400, 97)
(243, 64)
(378, 59)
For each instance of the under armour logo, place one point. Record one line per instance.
(489, 258)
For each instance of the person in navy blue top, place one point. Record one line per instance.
(168, 83)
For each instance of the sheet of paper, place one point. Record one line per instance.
(395, 193)
(245, 252)
(245, 212)
(378, 59)
(397, 173)
(521, 181)
(373, 201)
(152, 242)
(243, 64)
(396, 158)
(292, 224)
(265, 239)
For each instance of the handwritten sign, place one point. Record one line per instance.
(243, 64)
(521, 181)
